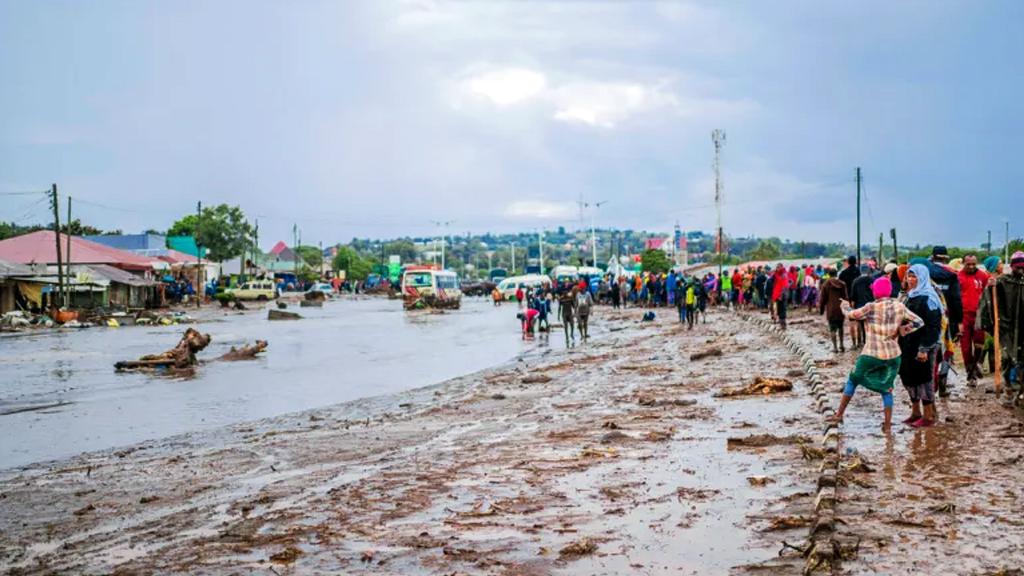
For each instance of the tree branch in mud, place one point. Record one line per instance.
(181, 357)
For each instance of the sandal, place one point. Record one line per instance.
(923, 423)
(911, 419)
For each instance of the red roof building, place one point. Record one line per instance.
(40, 248)
(278, 248)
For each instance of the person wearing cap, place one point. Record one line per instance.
(1010, 300)
(879, 362)
(948, 285)
(892, 271)
(972, 285)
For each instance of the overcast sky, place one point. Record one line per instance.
(375, 118)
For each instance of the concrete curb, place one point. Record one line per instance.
(822, 545)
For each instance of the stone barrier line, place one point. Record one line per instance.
(822, 550)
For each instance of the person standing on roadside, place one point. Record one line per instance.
(780, 293)
(833, 293)
(972, 285)
(879, 362)
(920, 349)
(860, 294)
(1010, 299)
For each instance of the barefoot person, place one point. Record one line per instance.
(879, 362)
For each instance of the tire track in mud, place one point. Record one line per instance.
(615, 457)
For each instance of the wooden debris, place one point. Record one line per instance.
(181, 357)
(760, 385)
(536, 379)
(759, 480)
(762, 440)
(581, 547)
(789, 523)
(282, 315)
(245, 352)
(706, 353)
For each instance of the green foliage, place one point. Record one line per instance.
(355, 266)
(311, 255)
(765, 250)
(404, 248)
(223, 231)
(656, 261)
(12, 229)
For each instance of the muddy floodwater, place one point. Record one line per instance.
(59, 394)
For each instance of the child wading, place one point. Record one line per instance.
(884, 320)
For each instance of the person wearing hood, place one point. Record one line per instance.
(920, 349)
(833, 292)
(1010, 299)
(780, 293)
(879, 362)
(947, 283)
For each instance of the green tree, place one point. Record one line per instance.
(311, 255)
(404, 248)
(223, 231)
(355, 266)
(765, 250)
(654, 260)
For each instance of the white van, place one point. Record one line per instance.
(508, 286)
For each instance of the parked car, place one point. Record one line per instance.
(254, 290)
(324, 287)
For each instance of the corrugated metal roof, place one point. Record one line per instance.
(39, 248)
(8, 269)
(120, 276)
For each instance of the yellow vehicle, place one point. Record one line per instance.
(254, 290)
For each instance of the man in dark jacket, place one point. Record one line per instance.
(860, 295)
(1010, 296)
(850, 273)
(833, 292)
(948, 283)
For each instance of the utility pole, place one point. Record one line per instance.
(321, 245)
(718, 139)
(540, 248)
(67, 258)
(1006, 244)
(512, 251)
(255, 245)
(295, 251)
(593, 234)
(895, 249)
(858, 216)
(988, 245)
(56, 235)
(199, 253)
(879, 251)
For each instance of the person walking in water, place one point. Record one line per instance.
(584, 301)
(567, 311)
(879, 361)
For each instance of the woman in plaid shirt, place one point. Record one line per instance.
(885, 320)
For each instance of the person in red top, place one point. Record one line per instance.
(780, 292)
(972, 287)
(520, 295)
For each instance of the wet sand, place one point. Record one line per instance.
(610, 458)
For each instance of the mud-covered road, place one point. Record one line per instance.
(620, 456)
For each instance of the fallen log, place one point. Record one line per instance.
(707, 353)
(245, 352)
(760, 385)
(311, 304)
(181, 357)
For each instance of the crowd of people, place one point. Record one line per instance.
(908, 319)
(904, 320)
